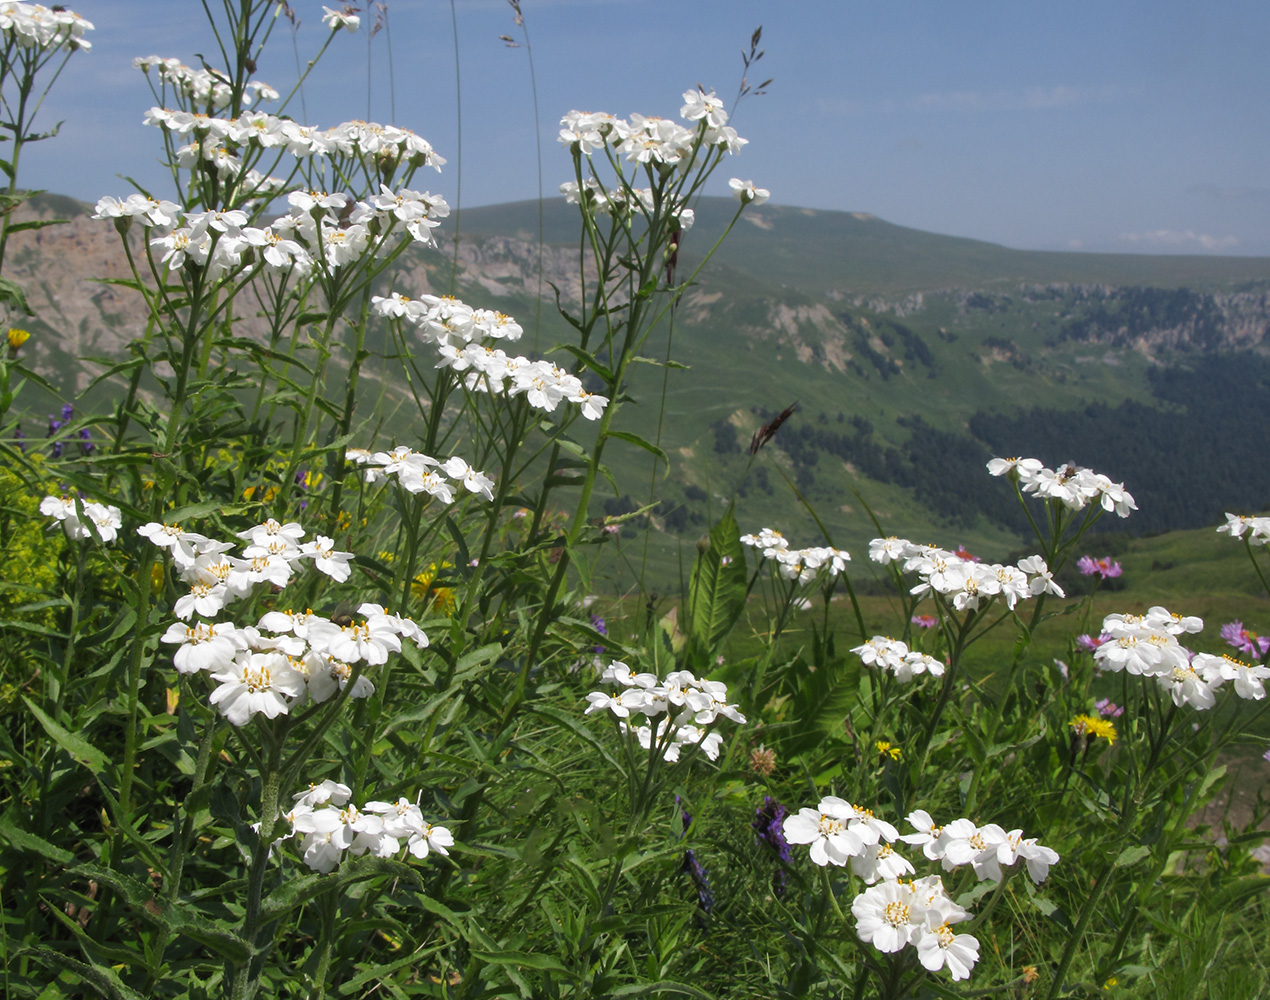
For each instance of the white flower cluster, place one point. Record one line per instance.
(965, 581)
(216, 578)
(317, 232)
(367, 142)
(418, 473)
(894, 655)
(327, 825)
(106, 518)
(686, 702)
(803, 565)
(305, 658)
(32, 25)
(920, 913)
(893, 912)
(658, 142)
(1148, 645)
(459, 333)
(1072, 486)
(839, 832)
(1256, 528)
(206, 89)
(985, 848)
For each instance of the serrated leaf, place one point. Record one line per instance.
(17, 227)
(103, 978)
(74, 744)
(716, 595)
(36, 845)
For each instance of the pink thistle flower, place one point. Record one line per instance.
(1243, 640)
(965, 555)
(924, 621)
(1088, 643)
(1105, 568)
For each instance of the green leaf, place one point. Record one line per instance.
(130, 889)
(195, 926)
(17, 227)
(103, 978)
(1132, 855)
(196, 510)
(716, 596)
(522, 959)
(659, 988)
(639, 442)
(75, 745)
(12, 293)
(307, 887)
(36, 845)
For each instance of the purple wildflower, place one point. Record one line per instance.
(1108, 709)
(1243, 640)
(924, 621)
(86, 441)
(600, 626)
(19, 438)
(1105, 568)
(768, 823)
(1088, 643)
(695, 869)
(700, 879)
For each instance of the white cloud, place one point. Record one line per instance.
(1174, 239)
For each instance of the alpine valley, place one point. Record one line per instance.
(912, 358)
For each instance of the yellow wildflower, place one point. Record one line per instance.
(886, 749)
(17, 338)
(1092, 727)
(440, 598)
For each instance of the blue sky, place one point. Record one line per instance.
(1109, 125)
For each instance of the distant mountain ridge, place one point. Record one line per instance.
(913, 356)
(854, 253)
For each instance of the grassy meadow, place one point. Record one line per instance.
(347, 651)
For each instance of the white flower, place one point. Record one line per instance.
(1247, 677)
(209, 646)
(256, 682)
(429, 837)
(826, 831)
(327, 560)
(938, 947)
(889, 915)
(345, 18)
(319, 795)
(746, 193)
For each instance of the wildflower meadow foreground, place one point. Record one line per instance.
(306, 699)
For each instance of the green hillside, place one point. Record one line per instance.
(902, 397)
(819, 251)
